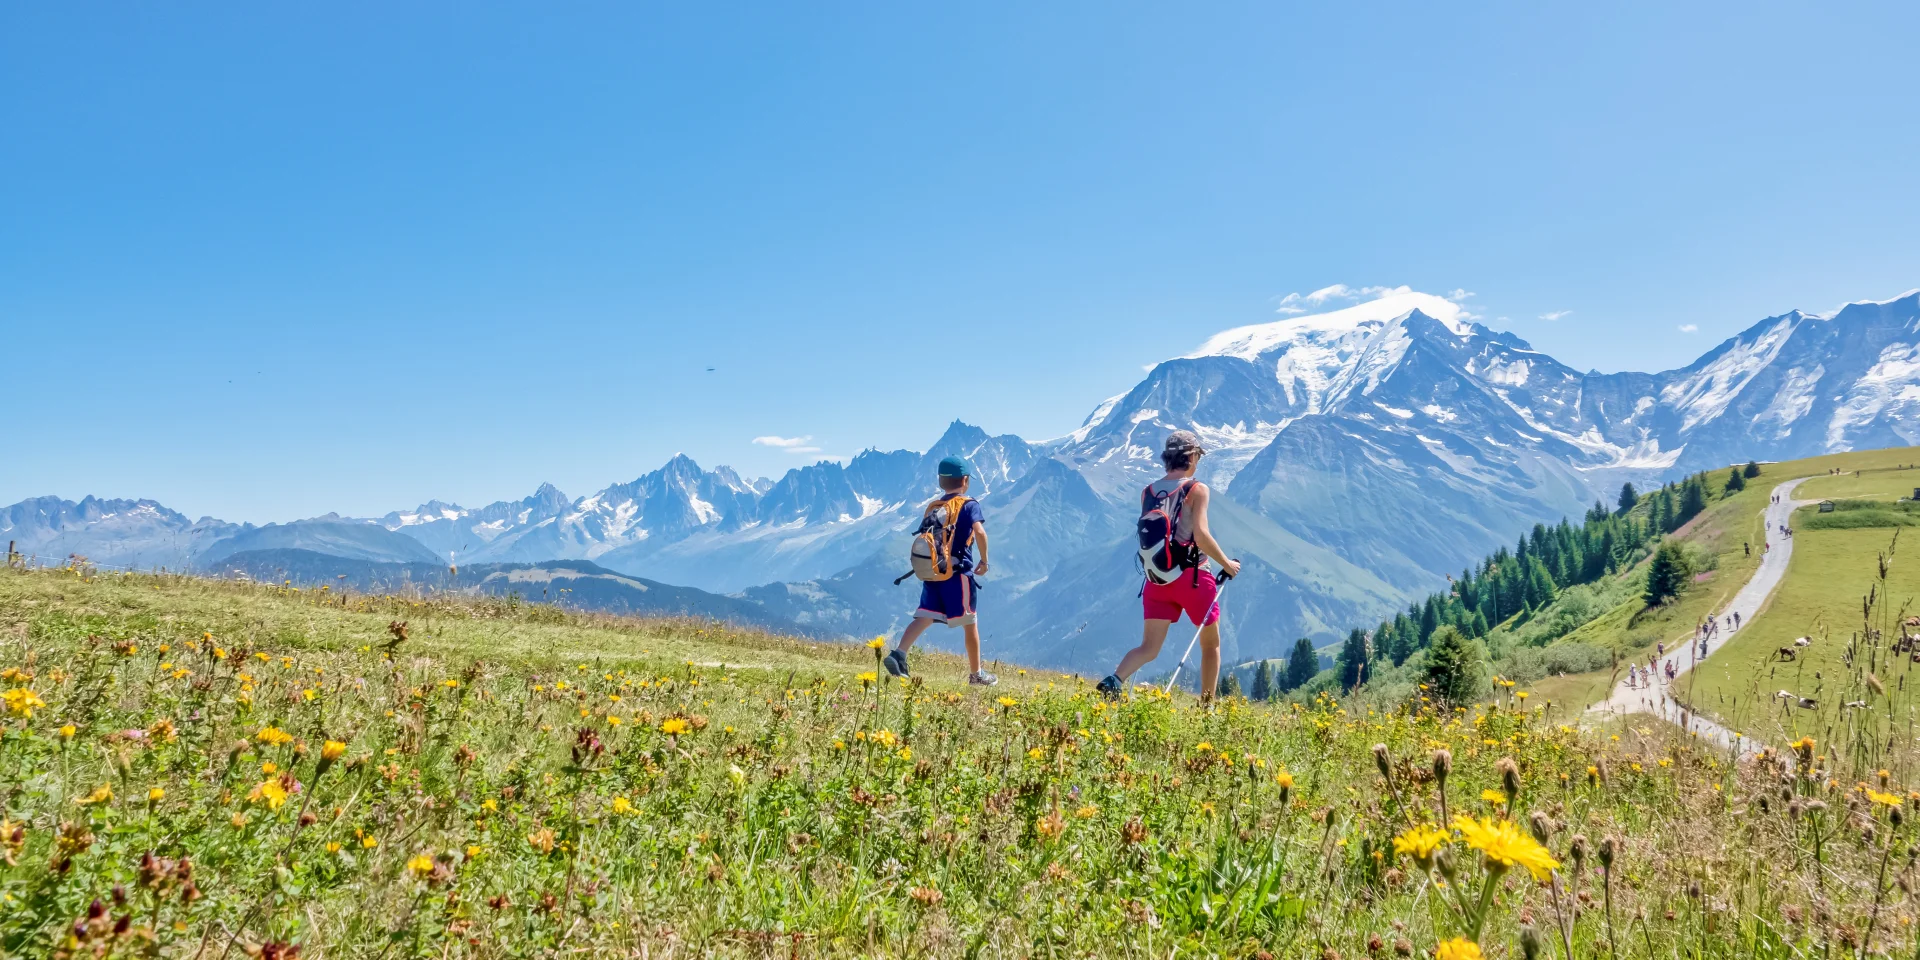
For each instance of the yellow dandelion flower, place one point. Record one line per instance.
(1009, 702)
(332, 750)
(21, 702)
(1203, 747)
(877, 643)
(867, 677)
(1503, 843)
(1494, 797)
(1420, 843)
(473, 850)
(333, 846)
(67, 730)
(675, 726)
(100, 794)
(622, 805)
(1283, 778)
(269, 792)
(369, 842)
(273, 736)
(420, 866)
(1459, 948)
(1883, 799)
(157, 794)
(1037, 753)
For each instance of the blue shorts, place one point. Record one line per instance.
(950, 601)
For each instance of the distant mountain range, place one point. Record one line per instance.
(1364, 453)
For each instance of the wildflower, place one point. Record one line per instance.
(1494, 797)
(420, 866)
(867, 677)
(1037, 753)
(270, 792)
(1050, 827)
(541, 840)
(21, 701)
(100, 794)
(1459, 948)
(1421, 843)
(906, 753)
(473, 850)
(1087, 812)
(1883, 799)
(368, 843)
(67, 730)
(1504, 845)
(877, 643)
(156, 795)
(1203, 747)
(674, 726)
(333, 846)
(273, 736)
(622, 806)
(1009, 702)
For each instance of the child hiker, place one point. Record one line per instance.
(954, 598)
(1178, 579)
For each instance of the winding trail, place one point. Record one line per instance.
(1685, 655)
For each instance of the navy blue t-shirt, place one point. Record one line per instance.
(970, 514)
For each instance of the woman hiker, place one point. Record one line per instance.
(1195, 592)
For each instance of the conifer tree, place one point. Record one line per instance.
(1352, 662)
(1629, 497)
(1228, 686)
(1302, 665)
(1263, 681)
(1752, 470)
(1455, 666)
(1667, 574)
(1405, 642)
(1736, 481)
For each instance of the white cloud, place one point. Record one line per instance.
(1292, 303)
(1459, 294)
(793, 445)
(1689, 328)
(1555, 314)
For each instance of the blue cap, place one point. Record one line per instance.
(956, 467)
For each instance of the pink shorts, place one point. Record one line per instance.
(1167, 601)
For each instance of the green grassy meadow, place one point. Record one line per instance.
(193, 769)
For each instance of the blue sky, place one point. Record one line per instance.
(263, 261)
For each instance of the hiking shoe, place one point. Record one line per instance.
(896, 664)
(1110, 687)
(981, 678)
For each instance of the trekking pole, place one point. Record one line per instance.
(1221, 585)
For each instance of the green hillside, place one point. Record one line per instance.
(1838, 595)
(202, 769)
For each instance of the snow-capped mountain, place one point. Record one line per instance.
(1364, 453)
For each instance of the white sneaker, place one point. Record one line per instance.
(982, 679)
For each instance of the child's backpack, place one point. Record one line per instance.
(932, 549)
(1162, 555)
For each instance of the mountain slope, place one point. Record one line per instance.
(577, 584)
(1361, 454)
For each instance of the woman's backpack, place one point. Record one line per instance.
(932, 549)
(1162, 555)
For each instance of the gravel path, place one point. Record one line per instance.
(1684, 654)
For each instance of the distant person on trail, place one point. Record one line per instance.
(1194, 591)
(953, 600)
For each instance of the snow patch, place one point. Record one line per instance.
(1439, 413)
(1793, 401)
(1891, 389)
(1396, 411)
(1706, 394)
(1249, 342)
(702, 510)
